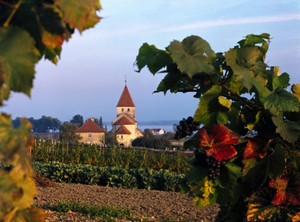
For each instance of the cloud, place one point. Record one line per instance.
(237, 21)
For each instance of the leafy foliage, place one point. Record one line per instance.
(250, 120)
(117, 176)
(104, 212)
(29, 30)
(48, 151)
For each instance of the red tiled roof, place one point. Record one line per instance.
(125, 99)
(125, 120)
(90, 127)
(123, 130)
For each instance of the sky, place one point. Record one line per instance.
(90, 76)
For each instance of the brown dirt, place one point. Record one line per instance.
(147, 205)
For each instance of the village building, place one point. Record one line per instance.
(91, 133)
(124, 126)
(156, 132)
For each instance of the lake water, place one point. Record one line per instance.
(168, 128)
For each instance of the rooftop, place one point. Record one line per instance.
(125, 120)
(125, 99)
(90, 127)
(123, 130)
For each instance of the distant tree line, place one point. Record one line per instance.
(47, 124)
(152, 141)
(66, 131)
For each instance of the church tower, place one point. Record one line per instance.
(125, 125)
(126, 104)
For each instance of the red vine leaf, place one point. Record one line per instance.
(287, 191)
(296, 217)
(254, 149)
(218, 142)
(280, 185)
(52, 41)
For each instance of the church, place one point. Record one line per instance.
(124, 126)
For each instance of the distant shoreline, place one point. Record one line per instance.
(149, 123)
(164, 124)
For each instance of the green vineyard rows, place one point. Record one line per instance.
(142, 178)
(46, 151)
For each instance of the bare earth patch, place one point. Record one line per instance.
(149, 205)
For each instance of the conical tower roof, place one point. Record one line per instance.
(125, 99)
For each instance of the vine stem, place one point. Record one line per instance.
(13, 12)
(243, 101)
(6, 3)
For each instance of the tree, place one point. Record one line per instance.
(30, 31)
(110, 140)
(16, 122)
(100, 122)
(67, 133)
(151, 141)
(77, 119)
(247, 155)
(45, 124)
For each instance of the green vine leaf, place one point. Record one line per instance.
(227, 185)
(276, 162)
(288, 130)
(155, 59)
(256, 175)
(222, 118)
(248, 164)
(170, 82)
(207, 194)
(224, 102)
(280, 101)
(196, 175)
(254, 40)
(44, 24)
(247, 65)
(251, 125)
(282, 81)
(296, 91)
(193, 55)
(26, 188)
(233, 173)
(4, 90)
(207, 111)
(17, 59)
(31, 214)
(49, 18)
(14, 143)
(80, 14)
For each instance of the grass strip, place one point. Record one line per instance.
(105, 212)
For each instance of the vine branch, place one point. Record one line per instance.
(13, 12)
(6, 3)
(240, 99)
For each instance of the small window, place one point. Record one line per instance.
(122, 109)
(128, 110)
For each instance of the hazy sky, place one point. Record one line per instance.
(89, 78)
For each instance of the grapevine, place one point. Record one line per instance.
(186, 127)
(29, 31)
(214, 166)
(247, 155)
